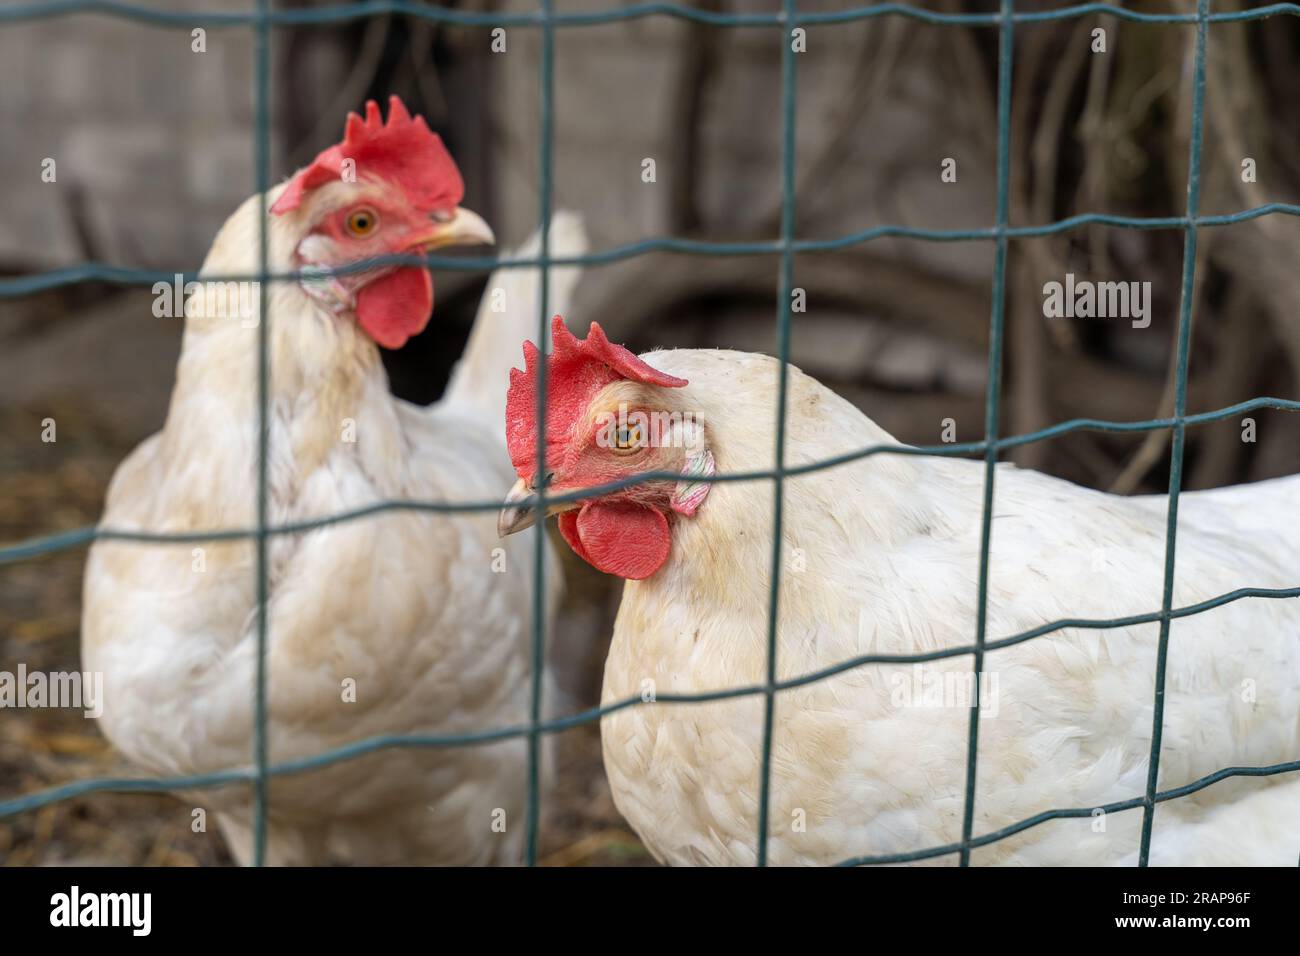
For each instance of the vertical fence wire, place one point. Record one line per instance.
(785, 283)
(992, 407)
(545, 184)
(262, 160)
(1185, 306)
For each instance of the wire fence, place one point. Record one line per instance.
(263, 19)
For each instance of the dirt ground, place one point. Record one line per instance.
(101, 413)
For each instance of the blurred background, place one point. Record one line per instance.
(154, 148)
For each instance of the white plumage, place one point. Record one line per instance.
(881, 556)
(420, 612)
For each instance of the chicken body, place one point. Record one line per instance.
(394, 623)
(880, 556)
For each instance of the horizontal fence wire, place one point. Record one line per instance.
(349, 12)
(16, 286)
(264, 19)
(80, 537)
(121, 275)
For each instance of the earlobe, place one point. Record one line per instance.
(691, 490)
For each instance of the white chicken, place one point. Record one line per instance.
(880, 556)
(399, 622)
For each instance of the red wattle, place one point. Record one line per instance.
(620, 538)
(396, 306)
(568, 522)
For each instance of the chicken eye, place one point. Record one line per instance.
(362, 222)
(628, 438)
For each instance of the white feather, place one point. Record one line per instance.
(880, 556)
(422, 611)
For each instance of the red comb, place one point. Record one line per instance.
(402, 151)
(575, 370)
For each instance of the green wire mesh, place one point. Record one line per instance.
(264, 18)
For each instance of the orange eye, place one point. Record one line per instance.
(628, 438)
(362, 222)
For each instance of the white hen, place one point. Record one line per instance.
(880, 557)
(395, 623)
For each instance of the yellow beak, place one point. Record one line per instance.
(464, 228)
